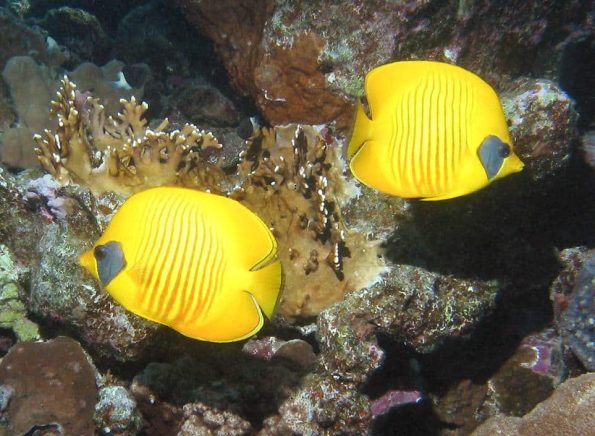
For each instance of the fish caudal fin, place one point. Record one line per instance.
(266, 286)
(360, 132)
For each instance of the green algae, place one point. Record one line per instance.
(13, 313)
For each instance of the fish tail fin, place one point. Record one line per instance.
(360, 132)
(266, 286)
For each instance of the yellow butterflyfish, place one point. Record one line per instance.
(436, 131)
(200, 263)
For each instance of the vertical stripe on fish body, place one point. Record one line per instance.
(201, 263)
(436, 131)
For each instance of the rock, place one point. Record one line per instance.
(46, 230)
(411, 305)
(295, 351)
(13, 313)
(588, 147)
(222, 377)
(577, 323)
(323, 405)
(568, 412)
(116, 412)
(200, 419)
(543, 124)
(79, 31)
(529, 376)
(54, 387)
(20, 40)
(203, 104)
(305, 61)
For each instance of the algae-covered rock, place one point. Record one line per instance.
(543, 124)
(323, 405)
(116, 412)
(411, 305)
(13, 313)
(305, 61)
(577, 323)
(46, 229)
(568, 412)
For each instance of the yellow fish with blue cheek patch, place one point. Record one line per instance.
(436, 131)
(200, 263)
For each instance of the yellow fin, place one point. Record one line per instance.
(266, 283)
(361, 131)
(365, 166)
(382, 81)
(241, 319)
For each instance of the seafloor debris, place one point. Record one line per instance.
(121, 154)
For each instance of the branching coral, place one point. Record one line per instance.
(290, 176)
(121, 154)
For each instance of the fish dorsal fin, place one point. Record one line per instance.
(383, 81)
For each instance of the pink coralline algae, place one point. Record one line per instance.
(44, 193)
(296, 351)
(393, 399)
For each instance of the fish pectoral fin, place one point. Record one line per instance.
(367, 164)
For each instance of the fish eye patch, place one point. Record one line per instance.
(110, 261)
(492, 153)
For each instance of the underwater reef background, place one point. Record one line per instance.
(468, 316)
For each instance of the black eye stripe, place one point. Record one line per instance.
(100, 252)
(504, 150)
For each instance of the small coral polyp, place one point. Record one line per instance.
(121, 155)
(289, 176)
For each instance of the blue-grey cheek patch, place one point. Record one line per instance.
(110, 261)
(492, 153)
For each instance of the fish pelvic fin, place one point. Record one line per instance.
(266, 286)
(360, 132)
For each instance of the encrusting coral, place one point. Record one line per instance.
(123, 154)
(293, 179)
(291, 176)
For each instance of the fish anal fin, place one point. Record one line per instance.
(368, 166)
(265, 286)
(240, 319)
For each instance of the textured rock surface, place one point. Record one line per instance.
(79, 31)
(116, 412)
(13, 313)
(58, 225)
(54, 387)
(568, 412)
(577, 323)
(304, 61)
(543, 124)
